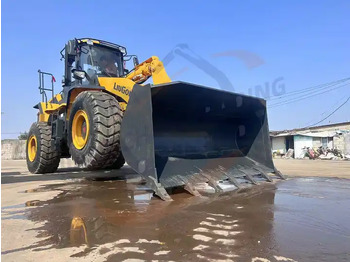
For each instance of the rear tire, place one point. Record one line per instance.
(41, 156)
(99, 146)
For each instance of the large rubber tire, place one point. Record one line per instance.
(104, 116)
(119, 163)
(46, 159)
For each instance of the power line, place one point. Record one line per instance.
(326, 111)
(310, 89)
(331, 113)
(326, 87)
(297, 99)
(309, 94)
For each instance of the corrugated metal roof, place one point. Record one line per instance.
(311, 131)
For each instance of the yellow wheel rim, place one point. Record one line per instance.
(32, 148)
(80, 129)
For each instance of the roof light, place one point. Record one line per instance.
(122, 50)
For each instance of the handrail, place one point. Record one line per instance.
(42, 87)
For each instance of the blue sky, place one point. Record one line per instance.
(299, 44)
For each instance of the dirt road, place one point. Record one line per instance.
(109, 216)
(320, 168)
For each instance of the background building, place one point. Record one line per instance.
(331, 136)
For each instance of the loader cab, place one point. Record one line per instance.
(88, 59)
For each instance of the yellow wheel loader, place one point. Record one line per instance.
(171, 133)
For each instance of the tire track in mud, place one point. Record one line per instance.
(216, 237)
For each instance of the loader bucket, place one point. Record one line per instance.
(180, 133)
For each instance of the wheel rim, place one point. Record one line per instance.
(32, 148)
(80, 129)
(78, 227)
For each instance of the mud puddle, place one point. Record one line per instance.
(301, 219)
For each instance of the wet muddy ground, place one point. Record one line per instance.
(110, 216)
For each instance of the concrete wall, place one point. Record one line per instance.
(13, 149)
(342, 142)
(333, 128)
(346, 144)
(299, 143)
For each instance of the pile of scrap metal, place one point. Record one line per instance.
(278, 153)
(324, 153)
(289, 154)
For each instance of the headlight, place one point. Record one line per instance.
(78, 74)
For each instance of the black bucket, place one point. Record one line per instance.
(180, 132)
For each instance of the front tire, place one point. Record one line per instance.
(41, 156)
(94, 130)
(119, 163)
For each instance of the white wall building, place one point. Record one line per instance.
(331, 136)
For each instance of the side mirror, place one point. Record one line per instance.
(71, 47)
(136, 61)
(78, 74)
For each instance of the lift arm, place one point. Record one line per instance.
(152, 67)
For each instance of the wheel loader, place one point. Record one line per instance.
(174, 134)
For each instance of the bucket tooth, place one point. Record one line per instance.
(230, 177)
(211, 182)
(159, 190)
(249, 177)
(265, 175)
(234, 181)
(191, 189)
(215, 185)
(279, 174)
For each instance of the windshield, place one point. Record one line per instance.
(101, 61)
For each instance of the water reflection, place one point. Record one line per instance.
(303, 219)
(120, 218)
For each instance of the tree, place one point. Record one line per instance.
(23, 136)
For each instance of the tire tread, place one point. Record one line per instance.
(48, 159)
(106, 123)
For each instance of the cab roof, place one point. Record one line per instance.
(122, 49)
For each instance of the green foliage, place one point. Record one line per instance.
(23, 136)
